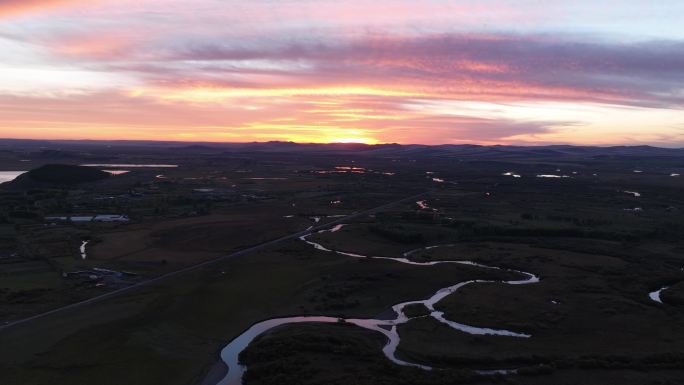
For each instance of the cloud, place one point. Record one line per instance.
(110, 114)
(18, 7)
(193, 51)
(490, 66)
(320, 69)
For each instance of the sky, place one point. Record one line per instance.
(525, 72)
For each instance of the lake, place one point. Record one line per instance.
(7, 176)
(133, 165)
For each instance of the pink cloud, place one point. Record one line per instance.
(18, 7)
(486, 66)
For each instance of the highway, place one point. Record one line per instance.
(211, 262)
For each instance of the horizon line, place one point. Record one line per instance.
(334, 143)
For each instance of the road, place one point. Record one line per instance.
(214, 261)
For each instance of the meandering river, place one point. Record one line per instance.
(230, 354)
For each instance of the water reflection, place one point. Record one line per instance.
(8, 176)
(83, 249)
(655, 295)
(552, 176)
(511, 173)
(116, 172)
(130, 165)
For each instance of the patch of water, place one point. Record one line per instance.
(83, 249)
(130, 165)
(116, 172)
(264, 178)
(655, 295)
(8, 176)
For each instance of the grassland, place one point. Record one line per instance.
(590, 318)
(140, 332)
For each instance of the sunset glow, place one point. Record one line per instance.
(489, 72)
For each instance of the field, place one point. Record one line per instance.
(600, 240)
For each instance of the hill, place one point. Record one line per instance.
(57, 175)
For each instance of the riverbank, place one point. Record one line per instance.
(216, 372)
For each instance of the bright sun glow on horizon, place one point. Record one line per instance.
(390, 71)
(355, 140)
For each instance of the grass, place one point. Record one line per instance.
(304, 354)
(39, 280)
(596, 262)
(170, 333)
(589, 310)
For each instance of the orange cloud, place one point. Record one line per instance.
(17, 7)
